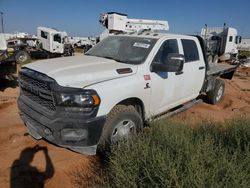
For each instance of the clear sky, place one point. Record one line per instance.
(80, 18)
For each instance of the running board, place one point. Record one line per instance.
(178, 110)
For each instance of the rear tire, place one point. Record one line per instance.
(216, 59)
(86, 48)
(210, 59)
(215, 95)
(122, 122)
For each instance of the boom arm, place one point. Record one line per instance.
(120, 22)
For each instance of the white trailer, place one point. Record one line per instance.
(221, 43)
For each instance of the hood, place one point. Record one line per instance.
(81, 71)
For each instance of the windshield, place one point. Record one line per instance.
(131, 50)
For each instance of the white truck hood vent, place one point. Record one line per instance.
(124, 71)
(81, 71)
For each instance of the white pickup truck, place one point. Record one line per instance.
(118, 86)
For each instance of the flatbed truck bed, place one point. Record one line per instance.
(216, 69)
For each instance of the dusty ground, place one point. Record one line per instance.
(18, 159)
(235, 103)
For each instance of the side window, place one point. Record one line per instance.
(57, 38)
(230, 38)
(44, 34)
(169, 46)
(190, 50)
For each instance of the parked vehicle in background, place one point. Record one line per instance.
(51, 43)
(7, 65)
(120, 23)
(221, 43)
(48, 43)
(15, 35)
(19, 47)
(244, 45)
(116, 23)
(84, 43)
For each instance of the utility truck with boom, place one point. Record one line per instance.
(120, 23)
(117, 87)
(117, 23)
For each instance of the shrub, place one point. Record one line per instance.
(180, 155)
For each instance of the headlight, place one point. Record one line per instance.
(78, 100)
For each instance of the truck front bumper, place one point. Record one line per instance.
(66, 129)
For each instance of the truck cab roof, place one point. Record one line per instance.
(156, 35)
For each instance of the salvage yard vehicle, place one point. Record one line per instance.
(117, 87)
(49, 43)
(115, 23)
(19, 47)
(84, 43)
(7, 63)
(53, 43)
(221, 43)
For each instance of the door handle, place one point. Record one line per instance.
(200, 68)
(178, 73)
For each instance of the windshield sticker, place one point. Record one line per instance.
(141, 45)
(148, 40)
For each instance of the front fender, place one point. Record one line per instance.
(114, 91)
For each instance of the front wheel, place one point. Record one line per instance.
(122, 122)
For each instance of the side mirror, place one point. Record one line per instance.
(173, 63)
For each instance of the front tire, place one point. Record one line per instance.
(122, 122)
(215, 95)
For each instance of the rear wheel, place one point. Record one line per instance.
(216, 59)
(210, 59)
(122, 122)
(86, 48)
(215, 95)
(22, 56)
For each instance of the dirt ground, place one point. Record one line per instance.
(21, 156)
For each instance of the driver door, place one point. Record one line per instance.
(167, 87)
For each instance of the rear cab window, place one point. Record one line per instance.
(190, 50)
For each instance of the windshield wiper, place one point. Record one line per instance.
(117, 60)
(107, 57)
